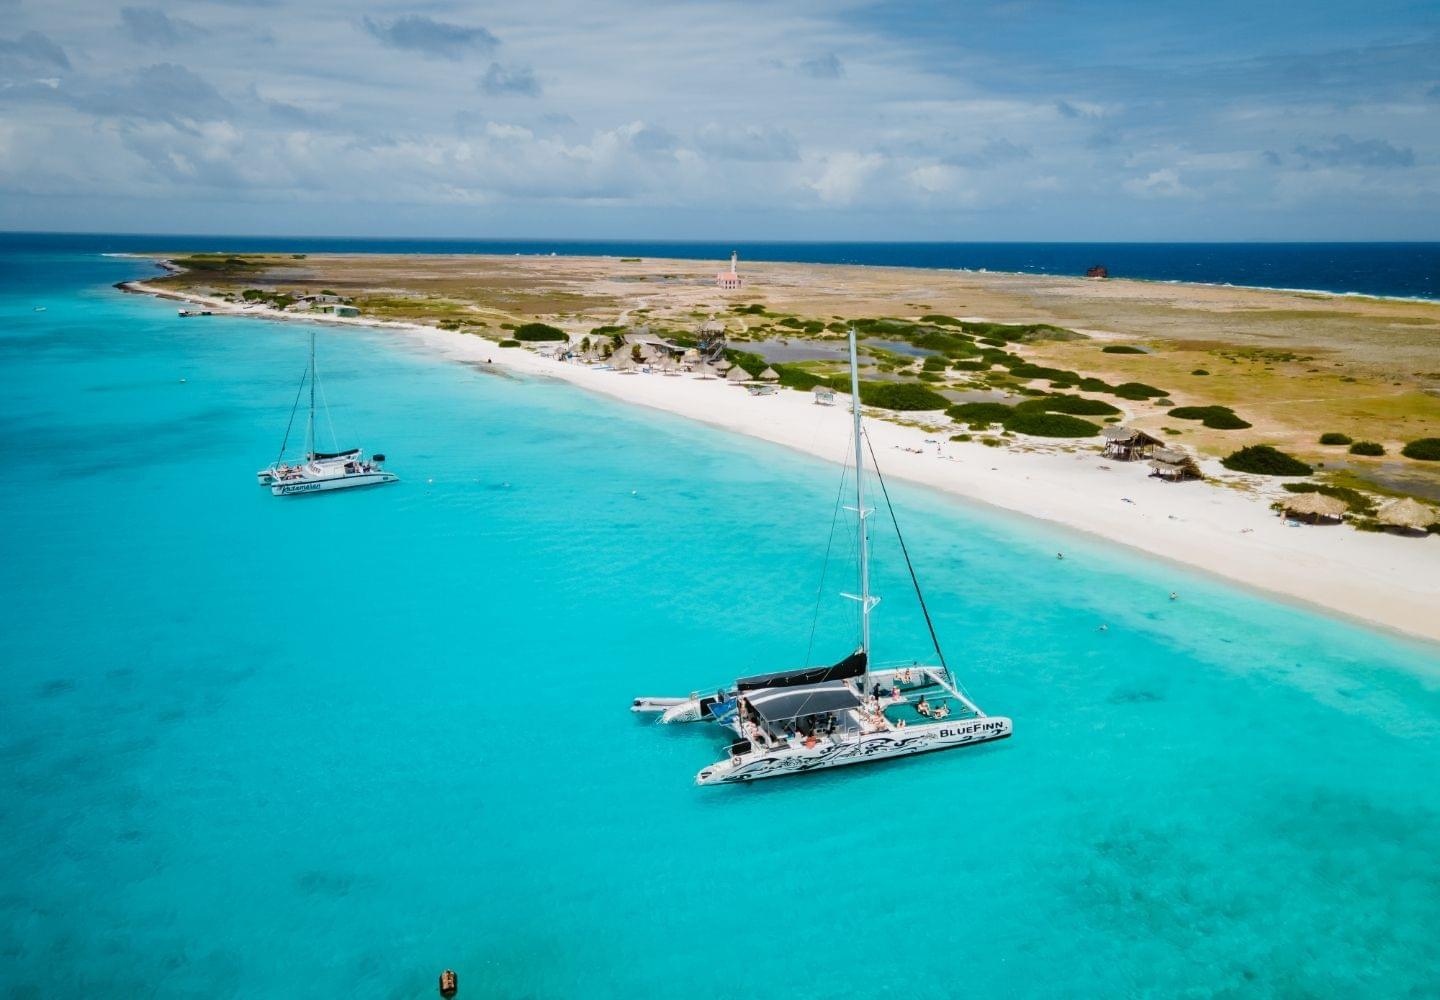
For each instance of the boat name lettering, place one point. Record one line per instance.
(979, 726)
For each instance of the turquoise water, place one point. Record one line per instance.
(254, 747)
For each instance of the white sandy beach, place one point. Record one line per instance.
(1381, 579)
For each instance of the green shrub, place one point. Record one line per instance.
(1075, 405)
(990, 413)
(991, 442)
(1425, 450)
(1264, 460)
(1220, 418)
(510, 343)
(934, 364)
(1050, 425)
(971, 366)
(940, 320)
(1373, 449)
(1135, 390)
(1094, 385)
(901, 396)
(1122, 349)
(539, 331)
(1025, 370)
(1335, 437)
(1199, 371)
(931, 377)
(961, 437)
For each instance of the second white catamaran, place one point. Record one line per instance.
(321, 471)
(848, 713)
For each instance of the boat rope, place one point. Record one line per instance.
(914, 580)
(825, 566)
(325, 404)
(293, 409)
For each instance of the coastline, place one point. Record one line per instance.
(1378, 579)
(998, 272)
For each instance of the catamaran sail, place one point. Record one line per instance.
(847, 713)
(321, 471)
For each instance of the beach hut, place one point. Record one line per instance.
(824, 395)
(1314, 506)
(712, 327)
(1125, 444)
(723, 365)
(738, 374)
(1407, 515)
(1173, 465)
(622, 361)
(703, 371)
(769, 375)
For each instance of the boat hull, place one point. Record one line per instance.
(798, 759)
(305, 486)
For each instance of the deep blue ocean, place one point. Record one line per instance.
(1404, 270)
(262, 747)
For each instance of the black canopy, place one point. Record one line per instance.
(782, 704)
(852, 666)
(322, 455)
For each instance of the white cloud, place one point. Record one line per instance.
(842, 175)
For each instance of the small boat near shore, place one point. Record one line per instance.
(850, 712)
(320, 472)
(187, 313)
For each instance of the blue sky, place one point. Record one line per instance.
(1021, 120)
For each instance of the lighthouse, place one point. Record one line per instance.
(729, 279)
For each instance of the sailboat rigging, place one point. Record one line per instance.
(794, 721)
(320, 471)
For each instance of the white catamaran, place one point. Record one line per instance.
(321, 471)
(817, 717)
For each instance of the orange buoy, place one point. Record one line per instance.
(449, 983)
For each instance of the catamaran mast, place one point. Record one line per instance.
(866, 601)
(310, 427)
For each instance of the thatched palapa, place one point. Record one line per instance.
(1315, 506)
(1125, 444)
(1173, 464)
(1408, 514)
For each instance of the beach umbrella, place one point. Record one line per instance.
(1406, 513)
(1316, 505)
(769, 375)
(737, 374)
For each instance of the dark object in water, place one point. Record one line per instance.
(449, 983)
(1098, 271)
